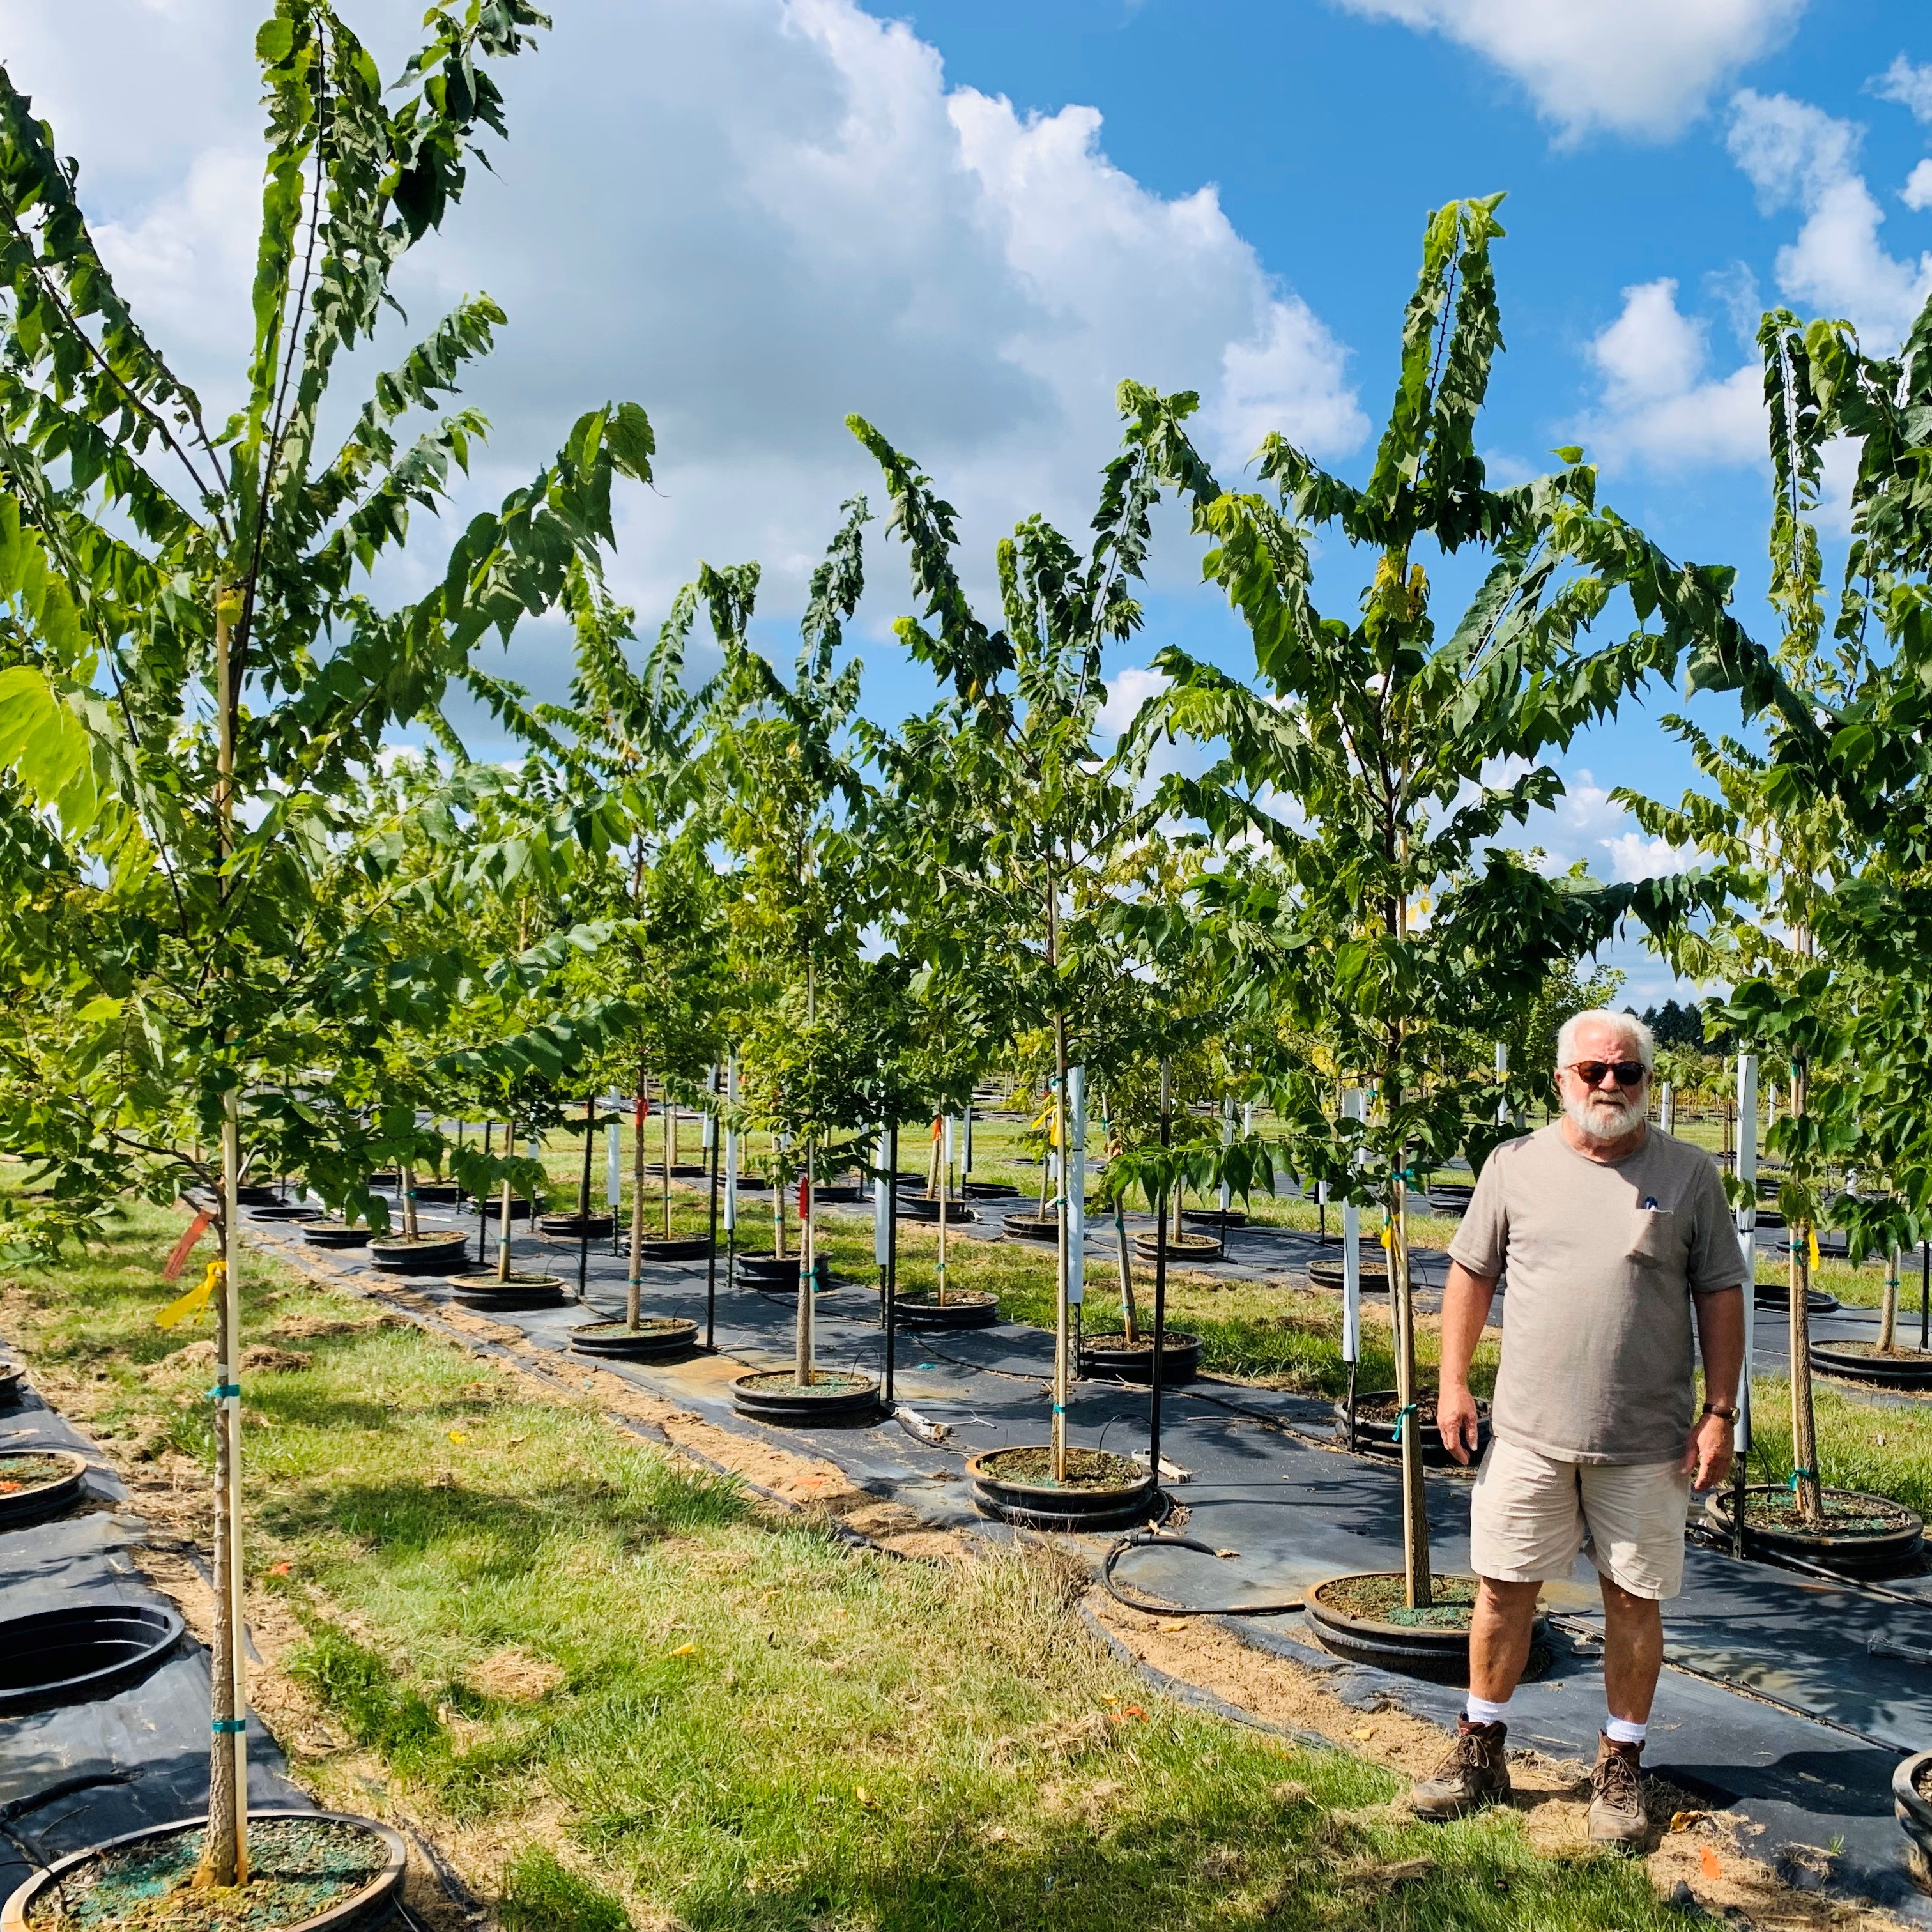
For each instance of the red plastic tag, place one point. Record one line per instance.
(172, 1268)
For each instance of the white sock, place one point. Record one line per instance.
(1480, 1711)
(1621, 1730)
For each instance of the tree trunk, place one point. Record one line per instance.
(634, 1283)
(670, 1156)
(1063, 1312)
(224, 1859)
(224, 1856)
(504, 1200)
(1418, 1581)
(411, 1228)
(780, 1181)
(939, 1148)
(1888, 1315)
(806, 1369)
(1129, 1315)
(1803, 1416)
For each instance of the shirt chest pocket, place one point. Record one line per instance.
(1656, 1240)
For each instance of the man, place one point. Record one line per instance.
(1614, 1234)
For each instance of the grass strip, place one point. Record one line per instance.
(623, 1694)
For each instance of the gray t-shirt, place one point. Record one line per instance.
(1602, 1260)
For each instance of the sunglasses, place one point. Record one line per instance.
(1629, 1072)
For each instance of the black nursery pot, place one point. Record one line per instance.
(576, 1227)
(55, 1657)
(1030, 1227)
(1189, 1248)
(372, 1903)
(1861, 1362)
(1911, 1805)
(43, 1482)
(1106, 1492)
(1112, 1355)
(678, 1248)
(336, 1234)
(926, 1314)
(520, 1210)
(1438, 1653)
(1324, 1273)
(917, 1207)
(1375, 1428)
(1778, 1294)
(427, 1254)
(1883, 1552)
(655, 1335)
(484, 1289)
(776, 1396)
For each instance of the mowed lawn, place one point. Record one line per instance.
(620, 1690)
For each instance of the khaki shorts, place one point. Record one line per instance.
(1531, 1515)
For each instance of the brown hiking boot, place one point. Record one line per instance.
(1617, 1816)
(1475, 1772)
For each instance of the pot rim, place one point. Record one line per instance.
(976, 1470)
(1419, 1633)
(853, 1384)
(1718, 1505)
(76, 1466)
(28, 1892)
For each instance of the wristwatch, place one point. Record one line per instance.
(1723, 1414)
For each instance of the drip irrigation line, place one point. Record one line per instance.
(64, 1787)
(1148, 1539)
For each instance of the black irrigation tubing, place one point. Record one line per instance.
(1148, 1539)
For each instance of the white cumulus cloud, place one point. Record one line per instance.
(753, 217)
(1909, 84)
(1795, 155)
(1658, 405)
(1642, 67)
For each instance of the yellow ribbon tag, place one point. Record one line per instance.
(1047, 1121)
(1813, 1245)
(186, 1307)
(1386, 1238)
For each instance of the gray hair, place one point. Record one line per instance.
(1632, 1028)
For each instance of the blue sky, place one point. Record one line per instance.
(968, 219)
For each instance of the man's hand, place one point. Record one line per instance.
(1707, 1452)
(1456, 1420)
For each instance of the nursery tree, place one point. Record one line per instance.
(1009, 816)
(194, 670)
(1830, 820)
(1367, 761)
(629, 747)
(787, 791)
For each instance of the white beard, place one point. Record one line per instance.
(1602, 1121)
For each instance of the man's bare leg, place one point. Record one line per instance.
(1633, 1651)
(1499, 1632)
(1633, 1656)
(1476, 1771)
